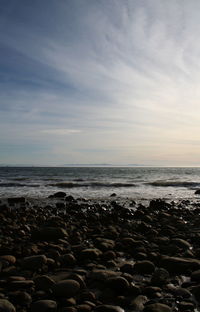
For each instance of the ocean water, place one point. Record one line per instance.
(100, 182)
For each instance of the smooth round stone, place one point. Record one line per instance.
(160, 277)
(9, 258)
(118, 284)
(44, 306)
(34, 262)
(20, 297)
(144, 267)
(6, 306)
(43, 282)
(66, 288)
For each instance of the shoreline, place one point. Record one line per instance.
(78, 255)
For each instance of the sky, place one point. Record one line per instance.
(100, 81)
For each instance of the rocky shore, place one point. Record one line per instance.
(73, 255)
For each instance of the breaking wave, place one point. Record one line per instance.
(11, 184)
(91, 184)
(174, 183)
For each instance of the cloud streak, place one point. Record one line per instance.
(102, 75)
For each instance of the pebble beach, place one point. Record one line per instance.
(76, 255)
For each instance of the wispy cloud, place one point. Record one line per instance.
(102, 75)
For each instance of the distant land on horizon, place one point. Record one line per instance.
(75, 165)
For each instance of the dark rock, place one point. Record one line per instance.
(9, 258)
(181, 243)
(66, 288)
(144, 267)
(70, 198)
(179, 265)
(43, 282)
(108, 308)
(68, 260)
(197, 192)
(20, 297)
(118, 284)
(16, 200)
(44, 306)
(34, 262)
(138, 303)
(58, 195)
(195, 276)
(90, 254)
(186, 306)
(49, 233)
(160, 277)
(21, 285)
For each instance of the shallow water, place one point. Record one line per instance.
(101, 182)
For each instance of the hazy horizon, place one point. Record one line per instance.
(107, 81)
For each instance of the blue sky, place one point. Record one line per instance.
(100, 81)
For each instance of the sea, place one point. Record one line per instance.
(136, 183)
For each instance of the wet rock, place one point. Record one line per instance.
(34, 262)
(6, 306)
(58, 195)
(108, 308)
(44, 306)
(157, 307)
(66, 288)
(49, 233)
(144, 267)
(197, 192)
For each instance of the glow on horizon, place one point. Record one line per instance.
(100, 82)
